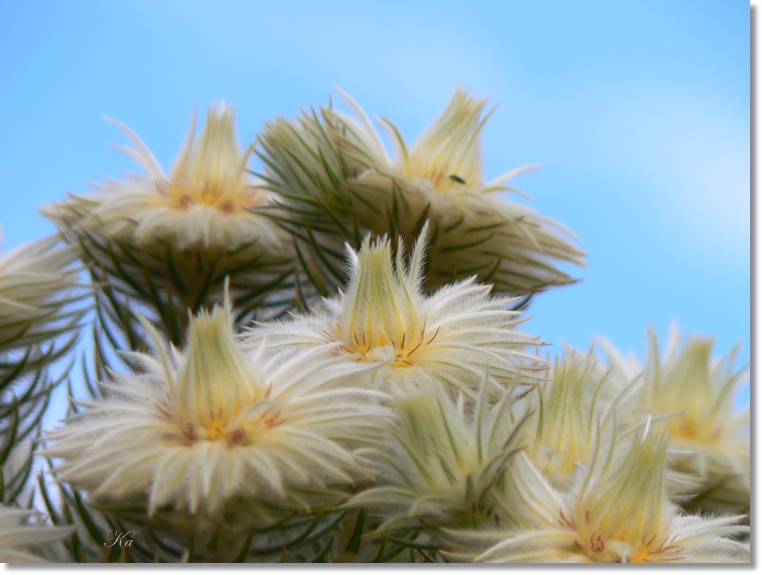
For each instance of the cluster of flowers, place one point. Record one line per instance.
(324, 362)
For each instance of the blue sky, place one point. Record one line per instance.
(638, 111)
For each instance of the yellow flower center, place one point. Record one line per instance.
(217, 395)
(441, 178)
(216, 426)
(211, 195)
(378, 346)
(211, 171)
(621, 548)
(380, 317)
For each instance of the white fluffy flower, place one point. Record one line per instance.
(565, 416)
(445, 339)
(337, 182)
(617, 512)
(443, 461)
(695, 392)
(204, 200)
(168, 240)
(203, 427)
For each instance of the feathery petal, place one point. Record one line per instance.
(446, 339)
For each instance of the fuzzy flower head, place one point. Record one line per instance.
(701, 392)
(211, 171)
(446, 339)
(620, 514)
(336, 178)
(443, 167)
(617, 512)
(205, 400)
(695, 393)
(202, 427)
(566, 414)
(443, 461)
(168, 240)
(204, 200)
(379, 317)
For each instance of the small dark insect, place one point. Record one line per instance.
(457, 179)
